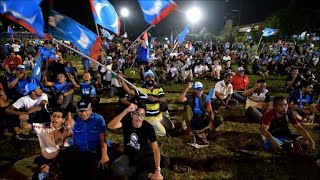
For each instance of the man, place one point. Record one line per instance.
(18, 82)
(275, 128)
(52, 138)
(198, 112)
(240, 83)
(63, 91)
(223, 91)
(142, 156)
(89, 144)
(258, 100)
(142, 58)
(11, 63)
(293, 80)
(301, 102)
(154, 99)
(32, 107)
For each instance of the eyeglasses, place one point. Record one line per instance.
(199, 89)
(56, 116)
(137, 114)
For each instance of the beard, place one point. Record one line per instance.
(150, 83)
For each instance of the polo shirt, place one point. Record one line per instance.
(221, 87)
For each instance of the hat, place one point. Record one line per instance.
(148, 73)
(83, 105)
(197, 84)
(30, 87)
(20, 67)
(109, 58)
(240, 69)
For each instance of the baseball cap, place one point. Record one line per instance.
(148, 73)
(83, 105)
(240, 69)
(30, 87)
(109, 58)
(197, 84)
(20, 67)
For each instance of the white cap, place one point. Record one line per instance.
(197, 84)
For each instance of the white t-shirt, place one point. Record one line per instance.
(226, 58)
(50, 139)
(28, 103)
(199, 69)
(173, 70)
(223, 89)
(16, 47)
(216, 67)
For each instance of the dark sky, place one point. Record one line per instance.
(213, 12)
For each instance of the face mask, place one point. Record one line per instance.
(150, 83)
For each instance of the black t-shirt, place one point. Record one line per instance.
(137, 140)
(296, 81)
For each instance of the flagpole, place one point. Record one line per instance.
(139, 36)
(55, 40)
(174, 47)
(259, 44)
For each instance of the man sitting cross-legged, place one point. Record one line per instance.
(198, 112)
(142, 156)
(276, 133)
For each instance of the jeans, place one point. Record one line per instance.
(253, 114)
(232, 103)
(239, 97)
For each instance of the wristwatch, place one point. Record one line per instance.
(158, 168)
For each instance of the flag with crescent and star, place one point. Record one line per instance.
(105, 15)
(65, 28)
(26, 13)
(156, 11)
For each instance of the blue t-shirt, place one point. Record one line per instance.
(87, 133)
(62, 88)
(300, 99)
(197, 109)
(142, 54)
(20, 86)
(47, 53)
(88, 89)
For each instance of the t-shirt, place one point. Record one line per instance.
(62, 88)
(88, 90)
(240, 82)
(222, 88)
(16, 47)
(137, 140)
(21, 84)
(50, 139)
(278, 127)
(258, 100)
(295, 83)
(27, 103)
(300, 99)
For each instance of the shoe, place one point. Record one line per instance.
(181, 169)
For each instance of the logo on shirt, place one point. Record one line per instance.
(134, 141)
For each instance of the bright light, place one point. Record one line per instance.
(166, 38)
(193, 15)
(124, 12)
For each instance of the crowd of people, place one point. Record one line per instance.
(73, 146)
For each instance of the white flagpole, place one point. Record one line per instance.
(259, 44)
(55, 40)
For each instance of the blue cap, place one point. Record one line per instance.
(148, 73)
(30, 87)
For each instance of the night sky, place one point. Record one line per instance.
(251, 11)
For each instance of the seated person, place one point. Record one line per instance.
(257, 69)
(4, 120)
(52, 137)
(88, 90)
(142, 157)
(63, 91)
(198, 112)
(240, 83)
(293, 80)
(216, 69)
(258, 100)
(32, 107)
(223, 91)
(275, 128)
(11, 63)
(301, 102)
(201, 71)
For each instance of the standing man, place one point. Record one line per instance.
(275, 128)
(82, 162)
(141, 152)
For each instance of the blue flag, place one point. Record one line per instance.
(36, 72)
(155, 11)
(26, 13)
(9, 30)
(269, 32)
(65, 28)
(183, 34)
(105, 15)
(106, 34)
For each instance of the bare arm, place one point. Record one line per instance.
(264, 131)
(10, 110)
(306, 135)
(116, 122)
(38, 108)
(182, 97)
(157, 157)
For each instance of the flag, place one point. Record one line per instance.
(269, 32)
(183, 34)
(144, 38)
(9, 30)
(26, 13)
(65, 28)
(125, 35)
(155, 11)
(106, 34)
(171, 38)
(105, 15)
(36, 72)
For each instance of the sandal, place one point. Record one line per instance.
(181, 169)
